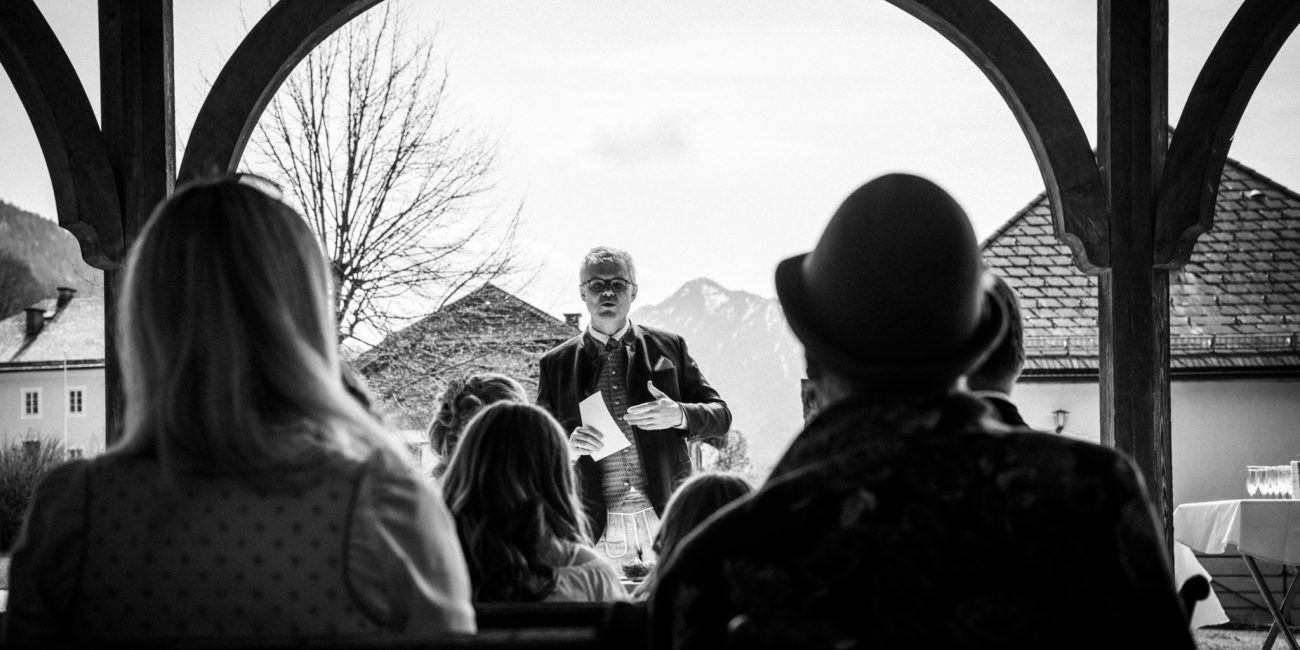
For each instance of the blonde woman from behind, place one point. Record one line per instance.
(512, 491)
(252, 498)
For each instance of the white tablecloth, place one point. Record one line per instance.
(1264, 529)
(1208, 611)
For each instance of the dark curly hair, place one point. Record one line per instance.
(463, 398)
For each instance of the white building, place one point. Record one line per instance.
(52, 373)
(1234, 343)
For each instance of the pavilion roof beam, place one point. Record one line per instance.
(288, 32)
(1189, 186)
(85, 190)
(1133, 296)
(1060, 145)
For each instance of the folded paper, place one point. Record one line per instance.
(596, 415)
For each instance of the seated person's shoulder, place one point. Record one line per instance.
(1055, 447)
(583, 554)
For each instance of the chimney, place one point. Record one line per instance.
(35, 321)
(572, 320)
(66, 294)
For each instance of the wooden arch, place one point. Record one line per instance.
(1128, 213)
(248, 81)
(84, 190)
(994, 43)
(1189, 186)
(1136, 209)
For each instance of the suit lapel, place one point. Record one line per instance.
(638, 367)
(585, 366)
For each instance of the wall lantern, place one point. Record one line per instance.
(1060, 417)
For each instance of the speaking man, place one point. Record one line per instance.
(656, 394)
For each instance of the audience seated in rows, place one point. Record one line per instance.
(252, 496)
(904, 514)
(694, 501)
(511, 488)
(459, 402)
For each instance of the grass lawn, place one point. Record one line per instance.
(1231, 637)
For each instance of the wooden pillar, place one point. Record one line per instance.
(138, 121)
(1134, 295)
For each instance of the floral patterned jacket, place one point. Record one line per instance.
(927, 524)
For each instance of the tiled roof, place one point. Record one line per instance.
(489, 330)
(1235, 306)
(75, 334)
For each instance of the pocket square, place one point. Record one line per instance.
(664, 364)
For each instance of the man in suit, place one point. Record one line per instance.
(904, 515)
(993, 380)
(652, 387)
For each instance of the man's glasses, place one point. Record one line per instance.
(600, 285)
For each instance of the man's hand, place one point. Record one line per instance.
(585, 440)
(663, 413)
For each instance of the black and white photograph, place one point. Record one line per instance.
(686, 325)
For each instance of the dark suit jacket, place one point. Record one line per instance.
(568, 376)
(927, 525)
(1003, 408)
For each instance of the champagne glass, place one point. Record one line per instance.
(1252, 480)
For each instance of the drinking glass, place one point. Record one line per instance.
(1253, 480)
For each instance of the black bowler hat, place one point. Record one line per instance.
(894, 293)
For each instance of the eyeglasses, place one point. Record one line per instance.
(601, 285)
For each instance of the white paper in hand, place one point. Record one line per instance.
(595, 414)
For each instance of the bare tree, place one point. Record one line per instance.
(399, 190)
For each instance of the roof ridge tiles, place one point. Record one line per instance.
(1012, 221)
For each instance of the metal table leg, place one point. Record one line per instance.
(1279, 621)
(1286, 607)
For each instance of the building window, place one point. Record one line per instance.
(76, 452)
(76, 401)
(31, 403)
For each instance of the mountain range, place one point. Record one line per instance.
(745, 349)
(51, 255)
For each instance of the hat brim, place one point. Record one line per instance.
(921, 372)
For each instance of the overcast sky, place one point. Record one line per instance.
(713, 138)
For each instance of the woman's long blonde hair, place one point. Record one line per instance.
(513, 494)
(228, 340)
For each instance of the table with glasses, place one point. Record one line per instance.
(1255, 529)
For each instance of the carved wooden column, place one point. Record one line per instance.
(138, 116)
(1133, 299)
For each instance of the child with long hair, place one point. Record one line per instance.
(461, 400)
(695, 501)
(252, 495)
(511, 488)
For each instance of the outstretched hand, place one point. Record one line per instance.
(662, 413)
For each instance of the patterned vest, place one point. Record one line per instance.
(622, 471)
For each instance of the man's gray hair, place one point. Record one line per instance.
(606, 254)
